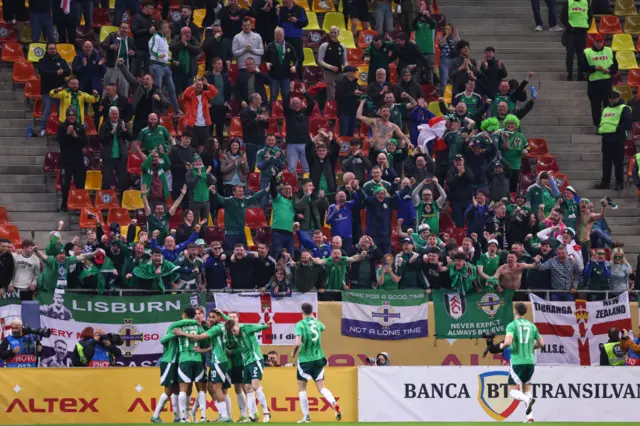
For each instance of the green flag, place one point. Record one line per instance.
(468, 316)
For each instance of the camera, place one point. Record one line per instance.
(40, 331)
(491, 346)
(114, 339)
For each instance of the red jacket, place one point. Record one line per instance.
(191, 104)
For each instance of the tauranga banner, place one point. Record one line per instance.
(480, 394)
(572, 331)
(468, 316)
(281, 313)
(141, 321)
(389, 315)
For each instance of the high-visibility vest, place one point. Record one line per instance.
(614, 353)
(578, 13)
(603, 58)
(611, 118)
(638, 162)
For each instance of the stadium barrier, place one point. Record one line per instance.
(115, 395)
(479, 394)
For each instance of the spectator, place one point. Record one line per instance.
(234, 209)
(408, 55)
(255, 121)
(565, 275)
(234, 168)
(218, 108)
(214, 267)
(332, 56)
(362, 274)
(355, 10)
(340, 218)
(408, 265)
(382, 128)
(72, 96)
(185, 49)
(200, 182)
(185, 229)
(409, 86)
(478, 153)
(231, 18)
(616, 121)
(153, 136)
(265, 267)
(542, 192)
(459, 179)
(347, 96)
(293, 19)
(600, 81)
(380, 207)
(280, 60)
(378, 54)
(376, 181)
(120, 7)
(53, 70)
(283, 216)
(159, 220)
(270, 160)
(499, 173)
(297, 122)
(64, 18)
(186, 21)
(471, 99)
(419, 166)
(314, 243)
(147, 99)
(266, 13)
(356, 163)
(26, 270)
(376, 90)
(597, 274)
(386, 278)
(447, 44)
(575, 35)
(280, 284)
(307, 275)
(398, 111)
(86, 7)
(492, 70)
(425, 29)
(143, 27)
(40, 19)
(586, 219)
(497, 225)
(242, 268)
(506, 95)
(322, 154)
(310, 206)
(463, 274)
(621, 272)
(251, 81)
(154, 180)
(118, 45)
(7, 267)
(72, 139)
(388, 174)
(161, 62)
(88, 67)
(428, 210)
(172, 251)
(247, 44)
(463, 68)
(214, 47)
(514, 148)
(197, 114)
(335, 268)
(384, 17)
(113, 136)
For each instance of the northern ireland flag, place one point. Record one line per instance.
(433, 130)
(572, 331)
(10, 309)
(280, 313)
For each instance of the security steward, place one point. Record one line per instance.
(615, 122)
(601, 64)
(611, 353)
(575, 17)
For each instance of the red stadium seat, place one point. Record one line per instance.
(315, 111)
(547, 163)
(167, 122)
(52, 125)
(365, 38)
(331, 110)
(312, 75)
(526, 181)
(445, 221)
(562, 181)
(254, 181)
(610, 25)
(254, 217)
(176, 219)
(291, 179)
(263, 235)
(101, 17)
(11, 233)
(316, 123)
(90, 126)
(106, 199)
(441, 21)
(233, 73)
(220, 218)
(635, 132)
(12, 52)
(630, 148)
(4, 219)
(85, 33)
(119, 216)
(236, 128)
(633, 78)
(354, 57)
(32, 89)
(140, 217)
(273, 127)
(213, 233)
(276, 110)
(23, 71)
(7, 33)
(51, 162)
(313, 39)
(90, 222)
(79, 199)
(525, 165)
(392, 35)
(133, 164)
(234, 108)
(430, 92)
(538, 147)
(299, 89)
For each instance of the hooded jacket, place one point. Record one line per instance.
(498, 183)
(538, 194)
(48, 68)
(327, 166)
(71, 147)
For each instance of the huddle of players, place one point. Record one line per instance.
(236, 359)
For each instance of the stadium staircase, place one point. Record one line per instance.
(562, 113)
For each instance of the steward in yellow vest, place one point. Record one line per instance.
(576, 17)
(615, 122)
(600, 65)
(610, 352)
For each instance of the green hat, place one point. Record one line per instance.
(196, 157)
(200, 242)
(490, 125)
(453, 118)
(393, 141)
(378, 189)
(511, 119)
(56, 250)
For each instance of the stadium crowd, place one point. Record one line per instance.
(398, 165)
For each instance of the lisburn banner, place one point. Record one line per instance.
(281, 313)
(141, 321)
(389, 315)
(468, 316)
(572, 331)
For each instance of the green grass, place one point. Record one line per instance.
(400, 424)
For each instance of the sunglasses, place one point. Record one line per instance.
(618, 257)
(600, 253)
(216, 248)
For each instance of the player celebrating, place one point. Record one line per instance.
(202, 394)
(169, 371)
(235, 357)
(311, 361)
(253, 366)
(523, 339)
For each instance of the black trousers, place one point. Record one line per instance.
(612, 157)
(598, 92)
(218, 113)
(297, 47)
(576, 43)
(66, 30)
(142, 57)
(120, 167)
(72, 170)
(514, 180)
(199, 136)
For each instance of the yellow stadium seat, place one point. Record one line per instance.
(93, 181)
(448, 93)
(36, 51)
(313, 21)
(331, 19)
(626, 92)
(198, 16)
(106, 30)
(593, 29)
(632, 24)
(626, 60)
(622, 42)
(363, 75)
(125, 229)
(132, 199)
(67, 51)
(112, 4)
(201, 70)
(625, 8)
(246, 4)
(323, 6)
(303, 4)
(346, 38)
(434, 107)
(309, 59)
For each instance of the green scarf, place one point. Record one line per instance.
(185, 60)
(280, 48)
(107, 268)
(463, 280)
(147, 271)
(75, 103)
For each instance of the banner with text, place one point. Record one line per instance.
(468, 316)
(572, 331)
(281, 313)
(140, 321)
(480, 394)
(10, 309)
(389, 315)
(115, 396)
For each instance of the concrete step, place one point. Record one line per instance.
(21, 188)
(625, 230)
(17, 150)
(23, 179)
(16, 113)
(15, 131)
(551, 120)
(558, 111)
(38, 216)
(21, 160)
(21, 170)
(23, 141)
(8, 198)
(21, 207)
(40, 226)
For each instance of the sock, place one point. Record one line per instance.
(222, 409)
(516, 394)
(242, 404)
(251, 403)
(304, 403)
(202, 401)
(227, 403)
(328, 396)
(160, 405)
(263, 400)
(182, 402)
(175, 405)
(195, 406)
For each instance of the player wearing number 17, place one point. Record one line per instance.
(311, 361)
(523, 339)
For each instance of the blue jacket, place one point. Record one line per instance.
(407, 211)
(418, 116)
(379, 213)
(172, 255)
(293, 30)
(319, 252)
(633, 358)
(215, 273)
(476, 217)
(342, 222)
(89, 76)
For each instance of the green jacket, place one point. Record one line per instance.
(198, 184)
(234, 211)
(425, 30)
(411, 275)
(271, 167)
(310, 208)
(147, 173)
(379, 58)
(283, 213)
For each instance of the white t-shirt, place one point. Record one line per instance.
(26, 271)
(200, 120)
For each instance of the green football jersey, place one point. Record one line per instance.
(524, 334)
(187, 347)
(250, 348)
(170, 341)
(217, 339)
(310, 330)
(233, 350)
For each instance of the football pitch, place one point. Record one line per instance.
(377, 424)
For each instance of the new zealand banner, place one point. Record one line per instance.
(141, 321)
(468, 316)
(572, 331)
